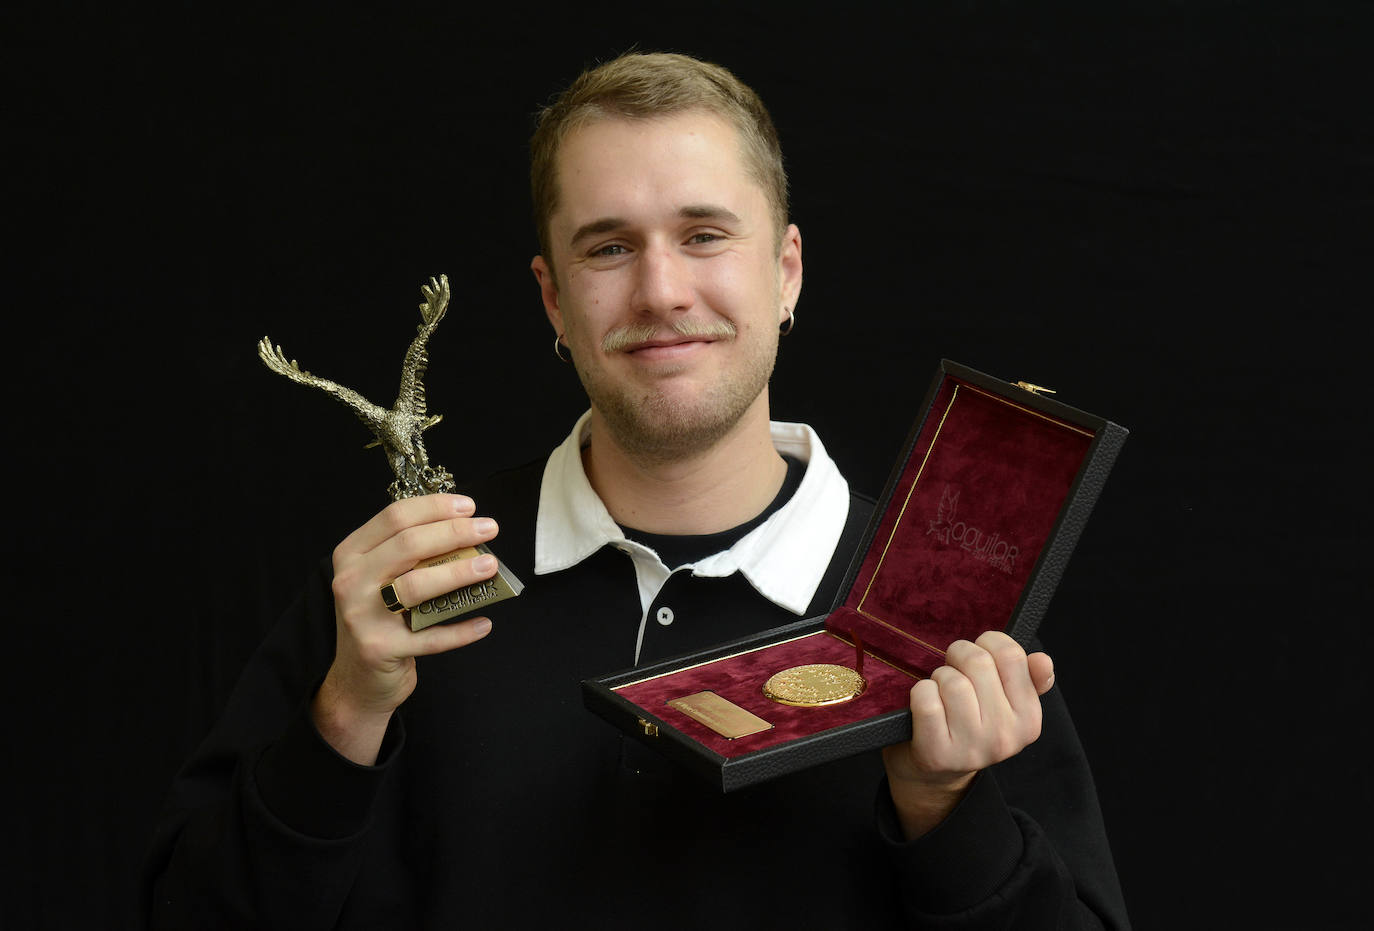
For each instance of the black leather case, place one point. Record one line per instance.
(734, 764)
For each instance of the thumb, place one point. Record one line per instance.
(444, 637)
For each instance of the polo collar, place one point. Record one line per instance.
(784, 558)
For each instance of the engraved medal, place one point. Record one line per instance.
(814, 685)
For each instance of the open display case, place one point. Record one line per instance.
(972, 533)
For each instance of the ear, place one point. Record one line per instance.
(789, 271)
(548, 291)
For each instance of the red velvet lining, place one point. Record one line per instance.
(968, 518)
(740, 679)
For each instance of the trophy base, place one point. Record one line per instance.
(470, 598)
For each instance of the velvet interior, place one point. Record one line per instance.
(968, 518)
(740, 679)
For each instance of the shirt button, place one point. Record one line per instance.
(665, 616)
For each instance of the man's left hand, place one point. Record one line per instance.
(981, 707)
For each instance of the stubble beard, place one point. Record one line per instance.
(658, 424)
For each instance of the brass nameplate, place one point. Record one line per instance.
(465, 600)
(721, 715)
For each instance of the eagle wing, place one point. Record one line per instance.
(370, 414)
(411, 396)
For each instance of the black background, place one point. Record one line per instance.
(1162, 210)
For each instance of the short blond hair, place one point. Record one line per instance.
(642, 86)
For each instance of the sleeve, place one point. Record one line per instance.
(265, 808)
(1026, 847)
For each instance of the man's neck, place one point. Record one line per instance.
(712, 490)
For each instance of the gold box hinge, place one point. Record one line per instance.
(1034, 389)
(650, 729)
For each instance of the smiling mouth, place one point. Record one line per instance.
(652, 344)
(638, 338)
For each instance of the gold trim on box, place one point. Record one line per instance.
(707, 662)
(1034, 413)
(767, 646)
(900, 515)
(871, 655)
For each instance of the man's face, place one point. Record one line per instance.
(670, 280)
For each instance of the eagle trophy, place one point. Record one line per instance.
(396, 430)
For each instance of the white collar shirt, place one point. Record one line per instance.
(784, 558)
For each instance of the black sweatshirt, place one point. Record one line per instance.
(499, 801)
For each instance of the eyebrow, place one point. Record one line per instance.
(596, 228)
(690, 212)
(708, 212)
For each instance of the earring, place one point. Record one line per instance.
(557, 343)
(786, 326)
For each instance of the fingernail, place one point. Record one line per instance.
(484, 525)
(484, 563)
(481, 626)
(1049, 683)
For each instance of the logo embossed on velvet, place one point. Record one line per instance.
(992, 548)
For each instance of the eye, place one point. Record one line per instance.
(699, 239)
(610, 249)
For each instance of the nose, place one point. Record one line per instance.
(663, 283)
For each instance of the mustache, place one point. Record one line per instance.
(632, 334)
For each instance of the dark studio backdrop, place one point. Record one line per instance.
(1163, 211)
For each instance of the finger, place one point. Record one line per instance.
(1013, 670)
(422, 583)
(980, 668)
(929, 726)
(444, 637)
(412, 546)
(959, 697)
(399, 515)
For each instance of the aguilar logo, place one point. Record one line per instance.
(990, 548)
(462, 598)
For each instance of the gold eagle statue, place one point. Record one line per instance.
(396, 430)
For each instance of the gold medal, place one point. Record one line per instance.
(814, 685)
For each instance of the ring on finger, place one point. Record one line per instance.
(391, 599)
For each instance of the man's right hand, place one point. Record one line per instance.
(374, 655)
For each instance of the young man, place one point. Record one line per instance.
(368, 776)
